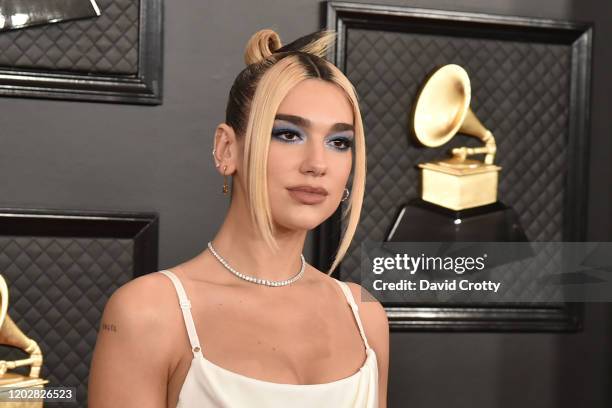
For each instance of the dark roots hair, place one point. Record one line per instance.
(263, 50)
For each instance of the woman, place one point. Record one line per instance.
(255, 326)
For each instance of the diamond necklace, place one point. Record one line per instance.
(253, 279)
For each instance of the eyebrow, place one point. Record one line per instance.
(305, 123)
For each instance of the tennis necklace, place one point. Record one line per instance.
(254, 279)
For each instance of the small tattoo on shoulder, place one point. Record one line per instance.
(109, 327)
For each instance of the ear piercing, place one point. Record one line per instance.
(225, 185)
(346, 194)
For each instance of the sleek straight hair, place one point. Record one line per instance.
(271, 72)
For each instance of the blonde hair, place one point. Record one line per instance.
(271, 72)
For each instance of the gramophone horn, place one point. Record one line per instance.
(443, 109)
(11, 335)
(442, 105)
(3, 300)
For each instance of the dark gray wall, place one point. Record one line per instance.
(117, 157)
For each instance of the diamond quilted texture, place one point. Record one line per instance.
(106, 44)
(519, 90)
(57, 291)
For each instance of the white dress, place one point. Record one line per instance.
(208, 385)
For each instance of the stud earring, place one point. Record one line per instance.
(225, 185)
(346, 194)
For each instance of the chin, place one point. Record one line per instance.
(302, 221)
(303, 225)
(296, 216)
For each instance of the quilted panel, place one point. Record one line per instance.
(520, 91)
(57, 291)
(104, 44)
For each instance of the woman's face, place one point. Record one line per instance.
(311, 146)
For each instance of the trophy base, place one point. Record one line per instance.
(421, 221)
(12, 380)
(16, 380)
(458, 188)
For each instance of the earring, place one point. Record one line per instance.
(346, 194)
(225, 185)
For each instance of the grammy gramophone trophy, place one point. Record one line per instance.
(459, 194)
(11, 335)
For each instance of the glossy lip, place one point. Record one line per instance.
(310, 189)
(307, 194)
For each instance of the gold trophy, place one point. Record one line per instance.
(459, 194)
(442, 110)
(11, 335)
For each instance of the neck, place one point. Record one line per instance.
(240, 245)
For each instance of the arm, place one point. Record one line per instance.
(376, 327)
(129, 366)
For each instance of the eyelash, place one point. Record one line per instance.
(347, 142)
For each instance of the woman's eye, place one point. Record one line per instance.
(289, 135)
(342, 144)
(285, 135)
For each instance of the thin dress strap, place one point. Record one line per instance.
(185, 305)
(351, 300)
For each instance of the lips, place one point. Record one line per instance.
(308, 194)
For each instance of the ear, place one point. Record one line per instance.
(226, 149)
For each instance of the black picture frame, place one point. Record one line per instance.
(61, 267)
(344, 16)
(140, 227)
(143, 88)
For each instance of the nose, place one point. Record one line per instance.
(314, 161)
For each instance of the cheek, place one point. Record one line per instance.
(344, 169)
(277, 158)
(280, 168)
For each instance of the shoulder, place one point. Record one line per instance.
(140, 308)
(372, 314)
(131, 339)
(144, 297)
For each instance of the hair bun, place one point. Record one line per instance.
(261, 45)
